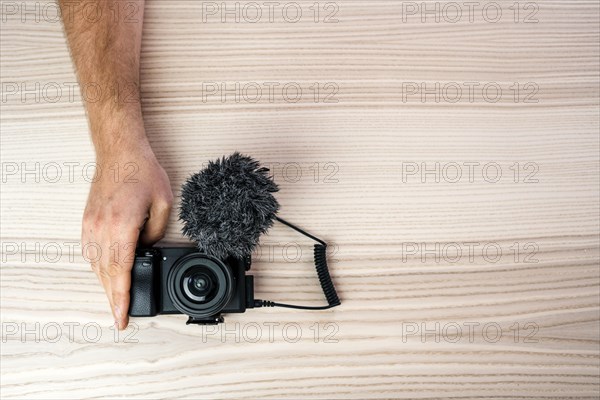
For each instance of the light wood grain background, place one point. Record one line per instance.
(379, 219)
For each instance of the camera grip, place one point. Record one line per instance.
(143, 288)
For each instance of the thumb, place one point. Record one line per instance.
(156, 225)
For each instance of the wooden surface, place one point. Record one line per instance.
(380, 219)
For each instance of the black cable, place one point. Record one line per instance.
(267, 303)
(320, 256)
(294, 227)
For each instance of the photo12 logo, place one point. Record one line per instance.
(253, 12)
(29, 92)
(470, 92)
(67, 172)
(71, 332)
(270, 92)
(253, 332)
(469, 332)
(85, 11)
(469, 172)
(453, 12)
(470, 252)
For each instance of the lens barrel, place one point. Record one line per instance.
(200, 285)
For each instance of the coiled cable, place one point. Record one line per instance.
(320, 257)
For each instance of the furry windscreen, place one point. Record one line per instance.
(228, 205)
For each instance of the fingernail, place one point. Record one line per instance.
(116, 324)
(118, 312)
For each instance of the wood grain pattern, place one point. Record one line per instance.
(383, 220)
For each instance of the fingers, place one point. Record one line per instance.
(92, 253)
(120, 265)
(156, 225)
(110, 249)
(104, 279)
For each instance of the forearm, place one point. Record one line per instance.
(106, 54)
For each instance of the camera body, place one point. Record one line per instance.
(182, 280)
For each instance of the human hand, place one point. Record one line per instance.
(129, 200)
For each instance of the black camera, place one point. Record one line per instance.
(174, 280)
(224, 209)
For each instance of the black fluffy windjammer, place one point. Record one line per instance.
(228, 205)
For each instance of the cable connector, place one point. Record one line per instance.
(263, 303)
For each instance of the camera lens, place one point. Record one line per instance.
(200, 285)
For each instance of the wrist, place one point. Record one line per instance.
(122, 144)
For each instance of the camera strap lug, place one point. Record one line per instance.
(217, 319)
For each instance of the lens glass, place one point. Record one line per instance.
(199, 284)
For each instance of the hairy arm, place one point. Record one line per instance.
(131, 198)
